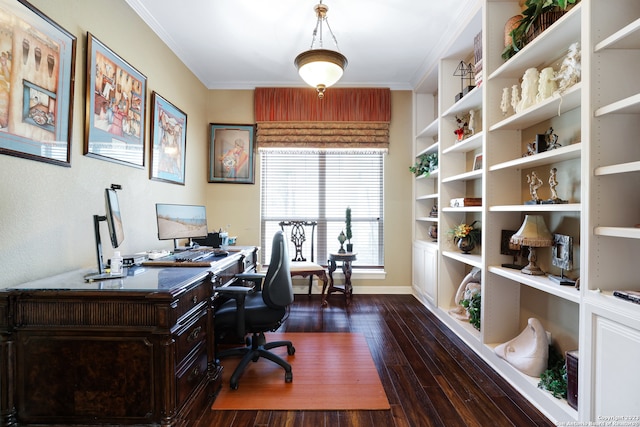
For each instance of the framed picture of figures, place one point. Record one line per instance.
(231, 153)
(168, 141)
(37, 63)
(116, 102)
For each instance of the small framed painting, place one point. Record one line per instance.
(477, 162)
(37, 65)
(116, 100)
(168, 141)
(231, 154)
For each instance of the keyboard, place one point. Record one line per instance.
(192, 255)
(188, 258)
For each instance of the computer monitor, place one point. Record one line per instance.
(181, 222)
(113, 217)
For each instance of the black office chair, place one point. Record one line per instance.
(251, 311)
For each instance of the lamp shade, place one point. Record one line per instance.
(533, 233)
(320, 67)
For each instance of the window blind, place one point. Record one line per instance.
(319, 185)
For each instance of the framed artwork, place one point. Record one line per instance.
(231, 153)
(37, 63)
(168, 141)
(562, 252)
(116, 100)
(477, 162)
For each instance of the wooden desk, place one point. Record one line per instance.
(137, 350)
(346, 258)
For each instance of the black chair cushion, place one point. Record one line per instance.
(258, 316)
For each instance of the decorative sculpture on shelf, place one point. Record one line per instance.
(553, 183)
(570, 70)
(504, 102)
(546, 84)
(534, 184)
(529, 89)
(552, 140)
(515, 97)
(470, 285)
(461, 130)
(471, 127)
(529, 351)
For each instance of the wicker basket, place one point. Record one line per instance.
(541, 23)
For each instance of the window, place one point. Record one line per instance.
(320, 185)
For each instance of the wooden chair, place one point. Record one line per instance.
(300, 266)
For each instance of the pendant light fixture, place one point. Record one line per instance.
(319, 67)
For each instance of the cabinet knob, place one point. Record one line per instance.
(194, 334)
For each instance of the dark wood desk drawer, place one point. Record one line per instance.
(191, 374)
(192, 298)
(190, 335)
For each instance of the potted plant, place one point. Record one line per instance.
(348, 229)
(425, 164)
(532, 22)
(466, 236)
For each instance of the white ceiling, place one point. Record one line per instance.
(243, 44)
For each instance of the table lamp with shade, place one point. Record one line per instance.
(534, 234)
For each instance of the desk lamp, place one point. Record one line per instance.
(534, 234)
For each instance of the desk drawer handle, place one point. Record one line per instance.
(194, 374)
(194, 299)
(194, 334)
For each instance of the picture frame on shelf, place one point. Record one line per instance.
(477, 162)
(562, 257)
(36, 99)
(115, 107)
(168, 141)
(231, 153)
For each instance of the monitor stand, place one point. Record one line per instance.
(101, 274)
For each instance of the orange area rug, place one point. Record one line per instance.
(331, 371)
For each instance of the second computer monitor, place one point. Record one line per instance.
(181, 221)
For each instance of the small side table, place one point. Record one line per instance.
(346, 258)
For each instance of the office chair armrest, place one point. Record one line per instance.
(256, 278)
(238, 293)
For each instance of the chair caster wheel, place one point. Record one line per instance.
(291, 350)
(288, 377)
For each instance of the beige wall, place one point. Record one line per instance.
(46, 211)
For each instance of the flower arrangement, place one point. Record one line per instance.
(469, 231)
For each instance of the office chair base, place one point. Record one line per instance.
(257, 348)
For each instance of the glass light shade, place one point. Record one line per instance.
(320, 67)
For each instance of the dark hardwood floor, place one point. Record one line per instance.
(430, 376)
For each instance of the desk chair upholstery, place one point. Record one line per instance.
(299, 264)
(251, 311)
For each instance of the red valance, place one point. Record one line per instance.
(345, 118)
(273, 104)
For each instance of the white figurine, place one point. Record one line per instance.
(529, 351)
(546, 84)
(570, 69)
(515, 97)
(504, 103)
(472, 122)
(469, 286)
(529, 89)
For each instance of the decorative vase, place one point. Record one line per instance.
(466, 245)
(349, 247)
(433, 232)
